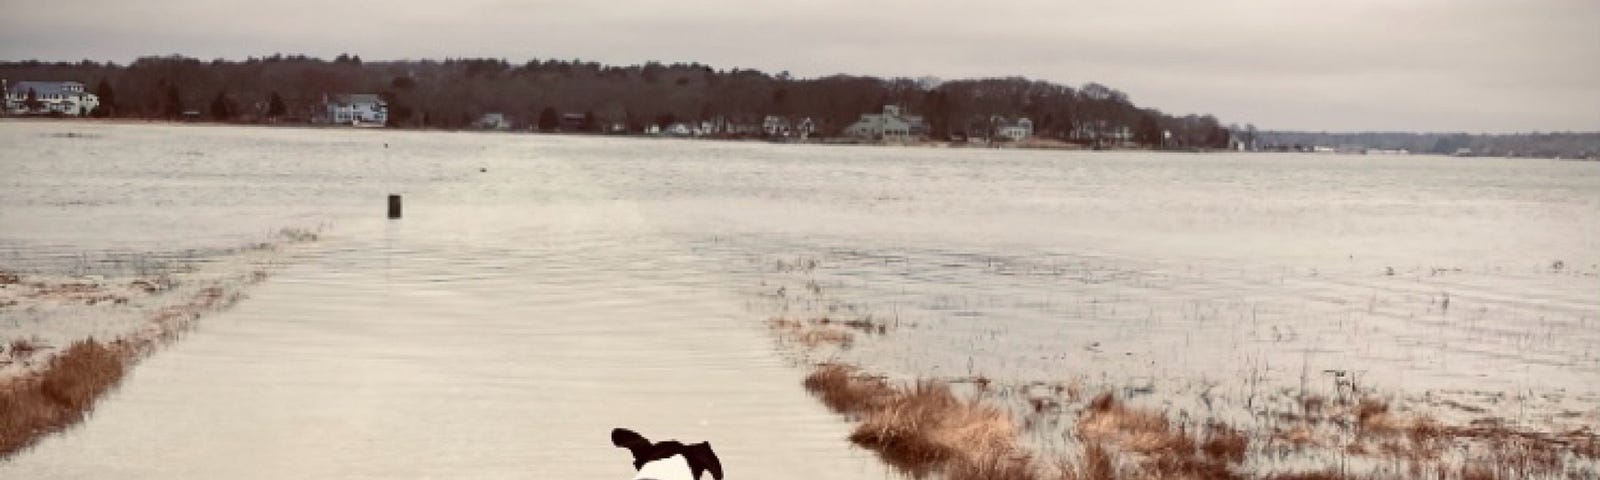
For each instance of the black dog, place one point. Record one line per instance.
(667, 460)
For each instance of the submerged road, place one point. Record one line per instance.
(456, 344)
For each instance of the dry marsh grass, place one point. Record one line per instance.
(57, 389)
(926, 424)
(994, 468)
(59, 395)
(1346, 432)
(1158, 448)
(924, 428)
(845, 390)
(1095, 464)
(812, 334)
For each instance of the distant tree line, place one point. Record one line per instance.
(452, 93)
(1573, 145)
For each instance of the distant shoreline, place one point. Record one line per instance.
(1030, 144)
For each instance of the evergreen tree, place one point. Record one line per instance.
(108, 99)
(31, 101)
(548, 121)
(172, 104)
(589, 122)
(275, 106)
(221, 107)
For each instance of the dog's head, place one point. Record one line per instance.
(667, 460)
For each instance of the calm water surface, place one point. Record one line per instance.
(573, 284)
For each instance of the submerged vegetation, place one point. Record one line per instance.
(926, 430)
(936, 424)
(61, 394)
(45, 390)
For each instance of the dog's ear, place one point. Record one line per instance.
(634, 442)
(701, 458)
(624, 438)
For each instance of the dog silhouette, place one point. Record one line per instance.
(669, 460)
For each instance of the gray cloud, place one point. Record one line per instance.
(1473, 65)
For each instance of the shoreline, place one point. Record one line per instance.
(1027, 145)
(1031, 144)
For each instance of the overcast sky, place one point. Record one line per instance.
(1422, 65)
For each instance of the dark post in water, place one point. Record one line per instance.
(394, 206)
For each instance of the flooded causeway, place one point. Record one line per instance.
(542, 290)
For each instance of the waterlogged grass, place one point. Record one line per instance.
(45, 390)
(923, 428)
(61, 394)
(926, 429)
(1067, 422)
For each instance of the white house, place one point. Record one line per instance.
(357, 109)
(1015, 131)
(775, 126)
(493, 121)
(891, 124)
(65, 98)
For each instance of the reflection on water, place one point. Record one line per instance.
(575, 284)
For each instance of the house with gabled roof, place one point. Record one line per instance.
(1015, 130)
(891, 124)
(44, 98)
(359, 109)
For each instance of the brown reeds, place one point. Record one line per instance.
(22, 348)
(811, 334)
(63, 392)
(1096, 464)
(1163, 451)
(1138, 430)
(927, 424)
(994, 468)
(845, 390)
(924, 428)
(1316, 475)
(1224, 444)
(53, 392)
(59, 395)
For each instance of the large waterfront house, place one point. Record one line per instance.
(356, 109)
(49, 98)
(1013, 130)
(892, 124)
